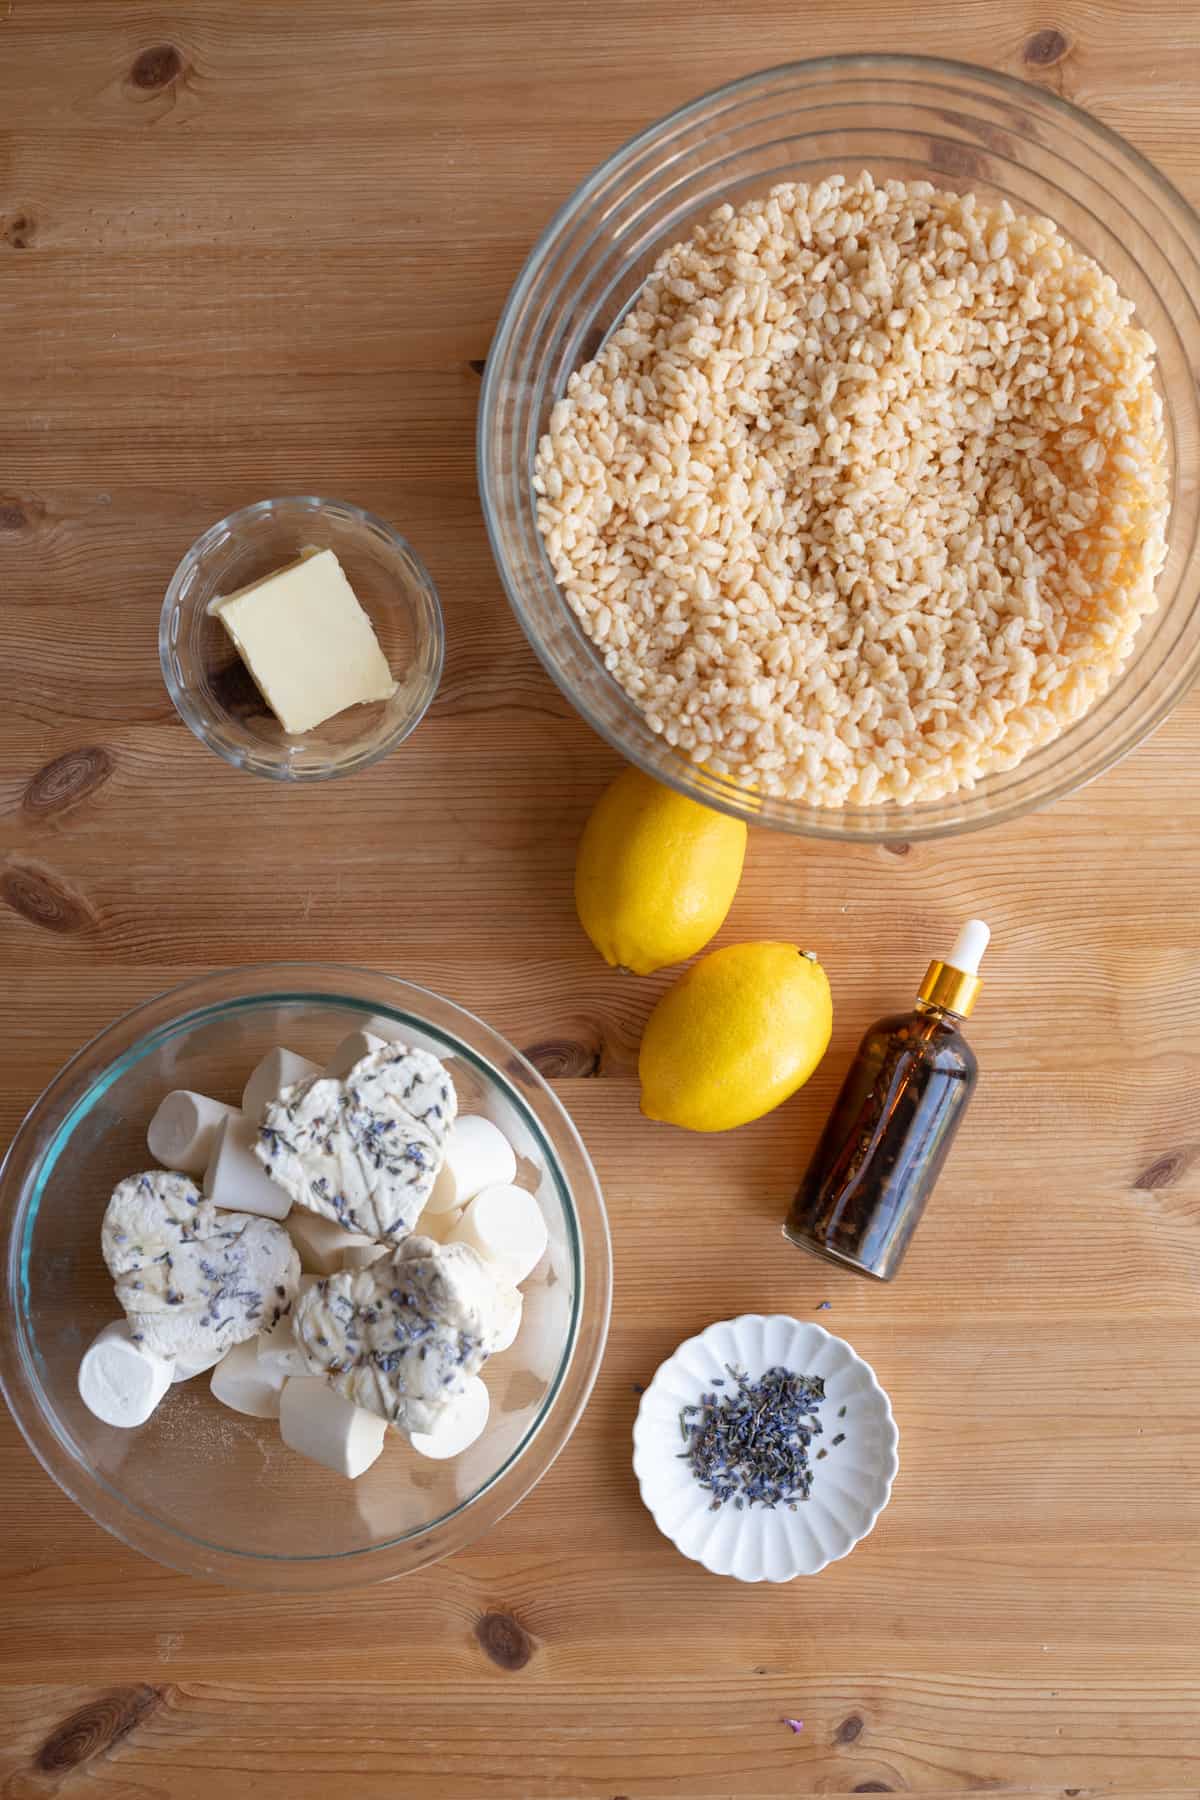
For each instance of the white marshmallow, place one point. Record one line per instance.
(561, 1261)
(331, 1430)
(323, 1246)
(235, 1178)
(351, 1050)
(119, 1381)
(362, 1255)
(545, 1326)
(509, 1308)
(279, 1354)
(241, 1382)
(183, 1132)
(506, 1226)
(438, 1226)
(460, 1423)
(388, 1030)
(198, 1362)
(278, 1069)
(393, 1032)
(478, 1156)
(281, 1359)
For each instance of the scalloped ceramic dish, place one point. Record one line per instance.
(851, 1486)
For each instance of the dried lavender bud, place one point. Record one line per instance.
(751, 1446)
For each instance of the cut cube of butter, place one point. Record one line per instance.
(309, 645)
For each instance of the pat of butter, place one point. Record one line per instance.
(309, 645)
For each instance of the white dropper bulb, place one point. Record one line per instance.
(969, 947)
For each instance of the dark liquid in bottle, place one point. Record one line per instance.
(886, 1140)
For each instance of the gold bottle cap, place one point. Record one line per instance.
(954, 990)
(954, 984)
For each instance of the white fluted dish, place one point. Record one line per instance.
(851, 1485)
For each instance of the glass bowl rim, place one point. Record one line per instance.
(714, 792)
(198, 1001)
(431, 620)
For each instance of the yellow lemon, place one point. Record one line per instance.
(656, 874)
(735, 1036)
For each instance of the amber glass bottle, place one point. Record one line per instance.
(893, 1123)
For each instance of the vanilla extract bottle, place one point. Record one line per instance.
(893, 1123)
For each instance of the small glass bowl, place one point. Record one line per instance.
(215, 1493)
(213, 690)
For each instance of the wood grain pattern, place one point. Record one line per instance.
(249, 248)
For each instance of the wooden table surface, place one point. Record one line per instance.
(251, 249)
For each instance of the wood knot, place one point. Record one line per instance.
(13, 516)
(871, 1787)
(899, 848)
(505, 1640)
(1166, 1170)
(20, 230)
(849, 1729)
(44, 898)
(561, 1059)
(477, 365)
(96, 1727)
(157, 67)
(67, 780)
(1045, 48)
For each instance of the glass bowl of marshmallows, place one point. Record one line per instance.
(308, 1277)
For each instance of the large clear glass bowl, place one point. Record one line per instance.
(914, 118)
(210, 1491)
